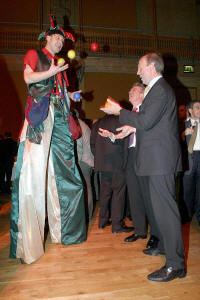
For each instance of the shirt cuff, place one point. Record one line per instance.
(112, 138)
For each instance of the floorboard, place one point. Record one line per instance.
(102, 268)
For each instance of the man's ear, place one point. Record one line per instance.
(48, 37)
(190, 112)
(153, 67)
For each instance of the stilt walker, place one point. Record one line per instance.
(46, 173)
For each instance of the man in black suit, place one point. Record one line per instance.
(138, 206)
(158, 158)
(108, 160)
(134, 186)
(137, 209)
(191, 178)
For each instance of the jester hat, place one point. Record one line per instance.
(55, 29)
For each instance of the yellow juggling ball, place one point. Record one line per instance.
(71, 54)
(61, 62)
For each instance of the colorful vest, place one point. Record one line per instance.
(37, 104)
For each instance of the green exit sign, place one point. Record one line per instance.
(188, 69)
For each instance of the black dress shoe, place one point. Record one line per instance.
(152, 242)
(153, 252)
(134, 237)
(166, 274)
(105, 225)
(123, 229)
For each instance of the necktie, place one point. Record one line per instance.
(193, 138)
(131, 137)
(146, 90)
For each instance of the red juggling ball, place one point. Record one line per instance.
(94, 47)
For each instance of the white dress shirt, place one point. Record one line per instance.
(197, 141)
(152, 82)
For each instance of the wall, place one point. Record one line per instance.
(13, 94)
(102, 85)
(178, 18)
(107, 13)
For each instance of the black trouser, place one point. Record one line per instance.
(112, 196)
(135, 197)
(166, 215)
(191, 188)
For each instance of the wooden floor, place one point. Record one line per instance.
(102, 268)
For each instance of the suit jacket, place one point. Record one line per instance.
(157, 149)
(108, 156)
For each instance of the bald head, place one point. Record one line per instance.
(150, 66)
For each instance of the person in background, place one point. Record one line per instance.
(109, 162)
(182, 117)
(8, 154)
(191, 177)
(96, 177)
(137, 208)
(86, 163)
(134, 186)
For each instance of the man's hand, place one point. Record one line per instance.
(124, 131)
(113, 109)
(105, 133)
(31, 77)
(56, 69)
(189, 130)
